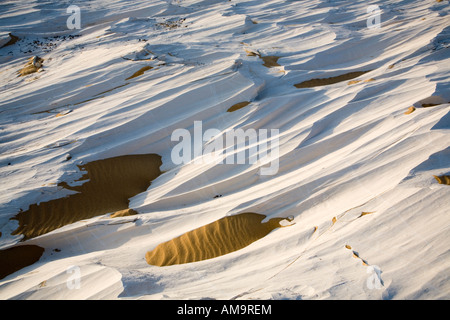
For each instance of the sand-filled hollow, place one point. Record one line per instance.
(33, 65)
(410, 110)
(140, 72)
(218, 238)
(270, 61)
(16, 258)
(332, 80)
(444, 179)
(124, 213)
(110, 184)
(238, 106)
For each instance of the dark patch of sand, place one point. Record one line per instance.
(331, 80)
(110, 184)
(18, 257)
(238, 106)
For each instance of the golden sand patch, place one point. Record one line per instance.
(18, 257)
(356, 256)
(124, 213)
(252, 53)
(238, 106)
(410, 110)
(358, 81)
(365, 214)
(270, 61)
(111, 182)
(140, 72)
(218, 238)
(63, 113)
(332, 80)
(32, 66)
(443, 179)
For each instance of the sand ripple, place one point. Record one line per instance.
(213, 240)
(111, 182)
